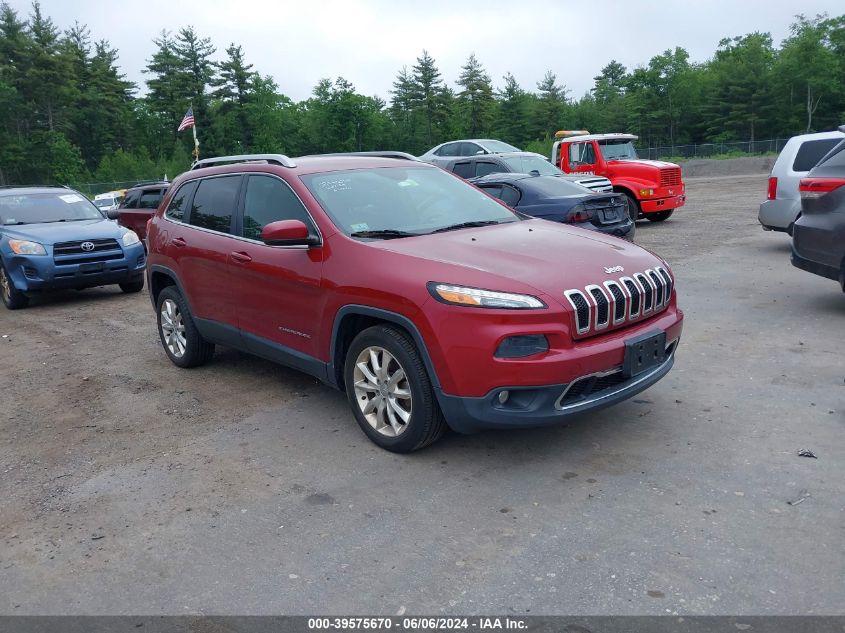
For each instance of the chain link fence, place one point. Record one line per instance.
(707, 150)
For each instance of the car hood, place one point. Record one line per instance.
(53, 232)
(532, 254)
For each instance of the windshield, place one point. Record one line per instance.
(612, 150)
(499, 146)
(105, 202)
(412, 201)
(528, 163)
(33, 208)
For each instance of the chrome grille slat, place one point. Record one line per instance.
(602, 304)
(658, 288)
(582, 310)
(648, 292)
(617, 301)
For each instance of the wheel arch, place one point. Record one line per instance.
(352, 319)
(160, 277)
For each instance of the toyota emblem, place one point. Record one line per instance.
(87, 246)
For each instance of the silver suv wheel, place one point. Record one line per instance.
(172, 328)
(382, 391)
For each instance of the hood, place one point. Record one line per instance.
(53, 232)
(528, 256)
(658, 164)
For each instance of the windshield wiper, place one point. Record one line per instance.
(465, 225)
(384, 234)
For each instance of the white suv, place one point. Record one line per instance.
(798, 156)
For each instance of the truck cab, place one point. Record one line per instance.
(654, 189)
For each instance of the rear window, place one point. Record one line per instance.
(811, 152)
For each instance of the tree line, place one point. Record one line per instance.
(68, 114)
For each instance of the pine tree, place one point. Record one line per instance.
(475, 100)
(429, 95)
(511, 120)
(233, 87)
(551, 106)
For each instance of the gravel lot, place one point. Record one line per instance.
(129, 486)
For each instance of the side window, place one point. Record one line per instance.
(811, 152)
(179, 203)
(150, 199)
(131, 200)
(510, 195)
(471, 149)
(582, 153)
(449, 149)
(464, 169)
(484, 168)
(214, 203)
(269, 199)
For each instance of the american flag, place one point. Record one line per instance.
(187, 121)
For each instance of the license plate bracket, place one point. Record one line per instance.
(608, 216)
(644, 352)
(91, 267)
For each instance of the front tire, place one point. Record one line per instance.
(660, 216)
(390, 392)
(12, 298)
(130, 287)
(633, 207)
(179, 336)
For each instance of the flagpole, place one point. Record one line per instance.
(196, 141)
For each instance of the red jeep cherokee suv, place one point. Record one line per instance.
(429, 302)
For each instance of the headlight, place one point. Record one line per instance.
(130, 238)
(25, 247)
(646, 192)
(475, 297)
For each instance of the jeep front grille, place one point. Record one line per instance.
(620, 301)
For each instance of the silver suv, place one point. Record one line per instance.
(799, 155)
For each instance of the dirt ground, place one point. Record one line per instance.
(128, 485)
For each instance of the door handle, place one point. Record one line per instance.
(240, 256)
(179, 242)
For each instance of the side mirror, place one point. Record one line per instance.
(287, 233)
(113, 214)
(480, 152)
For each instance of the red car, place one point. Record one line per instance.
(430, 303)
(138, 206)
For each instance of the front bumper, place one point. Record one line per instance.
(34, 273)
(541, 406)
(655, 205)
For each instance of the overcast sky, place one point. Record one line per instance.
(300, 42)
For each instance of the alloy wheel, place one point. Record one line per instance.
(173, 328)
(382, 391)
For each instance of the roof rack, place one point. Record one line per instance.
(273, 159)
(373, 154)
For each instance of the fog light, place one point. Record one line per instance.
(503, 396)
(525, 345)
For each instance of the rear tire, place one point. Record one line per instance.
(390, 392)
(12, 298)
(179, 336)
(633, 207)
(660, 216)
(132, 286)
